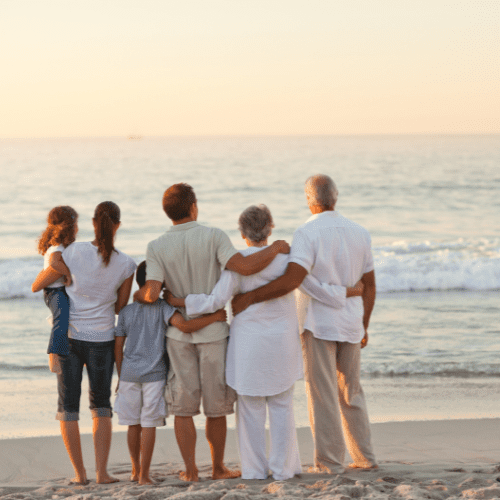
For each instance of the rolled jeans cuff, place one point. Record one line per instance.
(67, 416)
(101, 412)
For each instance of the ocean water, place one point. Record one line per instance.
(431, 204)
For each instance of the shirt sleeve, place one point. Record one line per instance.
(120, 330)
(330, 295)
(369, 265)
(302, 251)
(225, 249)
(154, 270)
(167, 311)
(223, 291)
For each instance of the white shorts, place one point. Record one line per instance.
(142, 404)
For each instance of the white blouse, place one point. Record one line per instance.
(264, 354)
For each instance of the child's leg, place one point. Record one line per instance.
(147, 446)
(57, 301)
(134, 448)
(284, 458)
(153, 415)
(128, 408)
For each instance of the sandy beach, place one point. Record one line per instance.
(452, 459)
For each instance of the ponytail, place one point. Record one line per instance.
(106, 216)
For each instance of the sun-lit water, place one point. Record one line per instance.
(431, 205)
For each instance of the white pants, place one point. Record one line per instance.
(284, 459)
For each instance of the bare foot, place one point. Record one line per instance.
(363, 466)
(225, 473)
(192, 476)
(54, 363)
(134, 477)
(106, 479)
(145, 481)
(80, 481)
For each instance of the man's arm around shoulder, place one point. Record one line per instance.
(256, 262)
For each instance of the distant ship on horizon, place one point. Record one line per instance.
(134, 137)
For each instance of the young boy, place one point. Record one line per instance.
(142, 371)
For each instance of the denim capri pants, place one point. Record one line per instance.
(99, 359)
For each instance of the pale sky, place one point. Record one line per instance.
(248, 67)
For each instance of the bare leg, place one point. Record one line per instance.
(101, 429)
(134, 448)
(70, 432)
(54, 363)
(147, 446)
(185, 433)
(215, 430)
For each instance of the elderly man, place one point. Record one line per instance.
(188, 258)
(337, 251)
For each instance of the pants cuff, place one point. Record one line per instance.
(101, 412)
(67, 416)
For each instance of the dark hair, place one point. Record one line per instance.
(106, 215)
(140, 274)
(61, 228)
(177, 201)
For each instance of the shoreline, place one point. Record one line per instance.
(420, 458)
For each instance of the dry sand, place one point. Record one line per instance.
(453, 459)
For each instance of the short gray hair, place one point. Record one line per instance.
(255, 223)
(322, 191)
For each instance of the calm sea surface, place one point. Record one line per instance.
(431, 204)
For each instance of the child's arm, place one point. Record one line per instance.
(195, 324)
(56, 269)
(119, 343)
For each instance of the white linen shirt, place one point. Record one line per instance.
(93, 292)
(264, 355)
(335, 251)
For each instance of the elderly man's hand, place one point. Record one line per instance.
(282, 246)
(240, 302)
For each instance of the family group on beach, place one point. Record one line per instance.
(174, 350)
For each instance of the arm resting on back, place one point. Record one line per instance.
(221, 294)
(149, 293)
(330, 295)
(292, 279)
(256, 262)
(123, 294)
(195, 324)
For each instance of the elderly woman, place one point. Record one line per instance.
(264, 354)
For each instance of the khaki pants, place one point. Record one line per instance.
(336, 403)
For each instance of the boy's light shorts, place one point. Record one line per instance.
(142, 404)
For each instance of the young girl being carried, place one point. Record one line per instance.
(60, 232)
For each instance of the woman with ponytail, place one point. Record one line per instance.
(102, 280)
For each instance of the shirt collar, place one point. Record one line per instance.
(326, 213)
(183, 227)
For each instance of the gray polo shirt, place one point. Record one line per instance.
(145, 326)
(189, 258)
